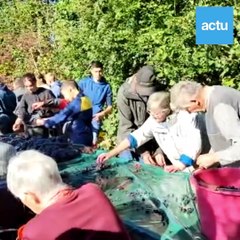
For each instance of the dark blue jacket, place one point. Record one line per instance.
(100, 93)
(79, 113)
(7, 100)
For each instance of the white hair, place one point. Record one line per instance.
(32, 171)
(158, 100)
(182, 93)
(7, 151)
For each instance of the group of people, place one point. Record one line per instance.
(184, 127)
(40, 103)
(188, 127)
(195, 126)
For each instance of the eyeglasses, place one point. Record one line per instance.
(159, 113)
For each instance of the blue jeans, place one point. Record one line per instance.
(96, 126)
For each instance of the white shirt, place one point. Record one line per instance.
(176, 136)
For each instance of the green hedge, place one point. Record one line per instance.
(123, 34)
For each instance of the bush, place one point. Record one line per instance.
(123, 34)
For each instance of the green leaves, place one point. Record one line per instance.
(123, 34)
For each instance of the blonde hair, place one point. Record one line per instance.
(182, 93)
(159, 100)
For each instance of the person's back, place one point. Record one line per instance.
(7, 107)
(85, 213)
(7, 100)
(223, 101)
(62, 213)
(13, 213)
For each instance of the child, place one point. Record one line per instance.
(178, 135)
(78, 115)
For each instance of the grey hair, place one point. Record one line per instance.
(7, 151)
(159, 100)
(32, 171)
(182, 93)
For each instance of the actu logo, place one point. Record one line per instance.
(214, 25)
(219, 26)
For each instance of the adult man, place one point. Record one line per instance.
(7, 107)
(99, 91)
(26, 113)
(62, 213)
(132, 100)
(222, 107)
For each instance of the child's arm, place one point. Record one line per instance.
(63, 115)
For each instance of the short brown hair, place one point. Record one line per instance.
(29, 77)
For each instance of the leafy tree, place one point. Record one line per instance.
(125, 34)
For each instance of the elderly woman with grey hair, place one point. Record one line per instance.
(222, 107)
(62, 212)
(178, 135)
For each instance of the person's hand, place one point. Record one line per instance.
(40, 122)
(147, 158)
(98, 116)
(87, 150)
(37, 105)
(207, 160)
(103, 157)
(176, 167)
(159, 159)
(16, 127)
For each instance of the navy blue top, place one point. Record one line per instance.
(79, 114)
(7, 100)
(100, 92)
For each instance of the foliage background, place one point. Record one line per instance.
(65, 37)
